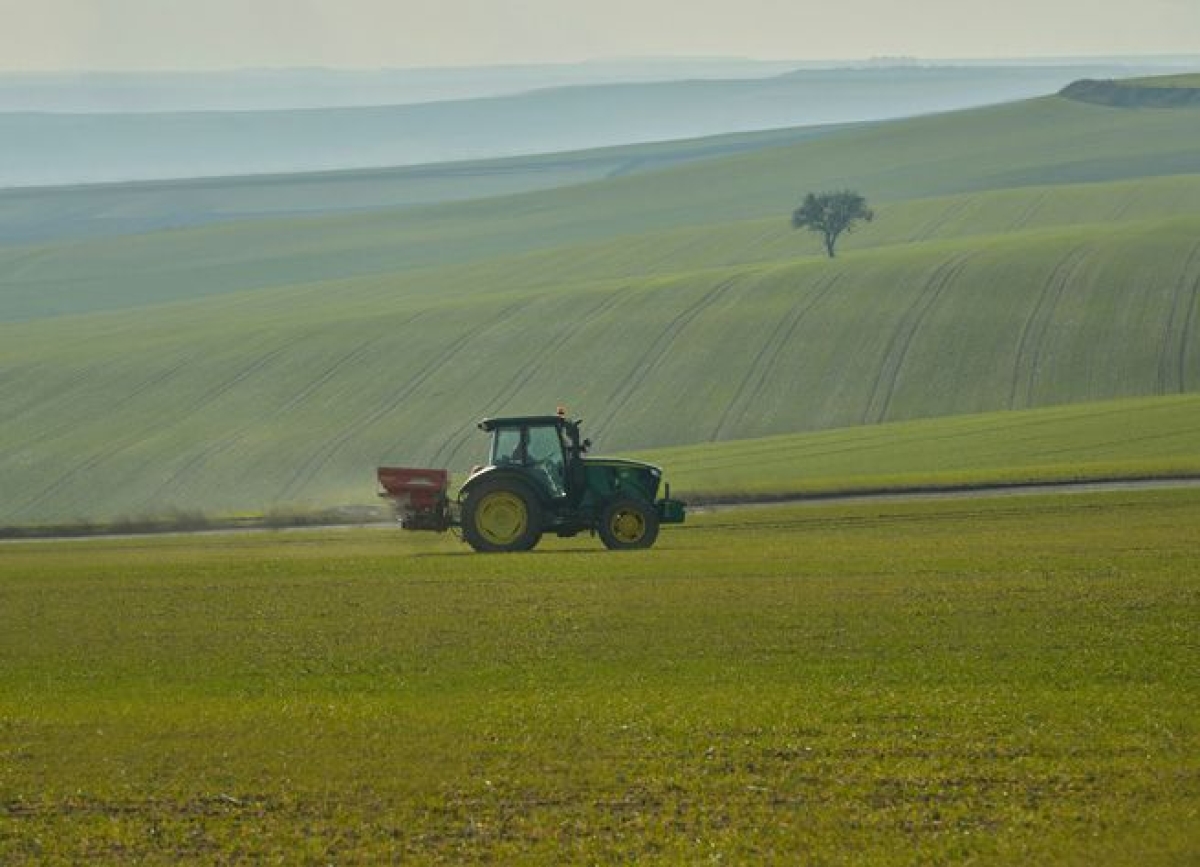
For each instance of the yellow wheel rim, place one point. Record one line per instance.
(628, 526)
(502, 517)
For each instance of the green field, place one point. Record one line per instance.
(1191, 81)
(1160, 91)
(98, 210)
(1006, 680)
(291, 397)
(989, 682)
(1024, 145)
(1032, 255)
(1148, 438)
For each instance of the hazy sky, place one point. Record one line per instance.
(206, 34)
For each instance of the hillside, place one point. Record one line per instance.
(1170, 91)
(308, 387)
(1143, 438)
(273, 363)
(1015, 147)
(45, 148)
(96, 92)
(42, 214)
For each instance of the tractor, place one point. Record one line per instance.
(537, 480)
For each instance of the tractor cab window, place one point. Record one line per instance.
(509, 447)
(539, 449)
(546, 456)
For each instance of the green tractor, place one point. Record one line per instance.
(537, 480)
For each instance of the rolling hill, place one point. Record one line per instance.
(1032, 255)
(1168, 91)
(1139, 438)
(1044, 142)
(95, 210)
(267, 89)
(49, 148)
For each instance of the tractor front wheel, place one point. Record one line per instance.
(628, 524)
(501, 517)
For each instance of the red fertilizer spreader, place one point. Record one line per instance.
(419, 495)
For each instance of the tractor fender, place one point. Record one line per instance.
(509, 475)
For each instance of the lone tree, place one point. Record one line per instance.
(831, 214)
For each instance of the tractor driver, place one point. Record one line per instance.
(545, 452)
(512, 447)
(538, 448)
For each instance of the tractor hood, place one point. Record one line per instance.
(613, 476)
(622, 463)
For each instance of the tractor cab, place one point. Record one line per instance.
(546, 449)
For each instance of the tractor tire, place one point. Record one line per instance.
(628, 524)
(501, 516)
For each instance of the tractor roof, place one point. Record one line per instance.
(489, 424)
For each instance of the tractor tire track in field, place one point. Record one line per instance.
(215, 394)
(1026, 215)
(1123, 206)
(324, 452)
(670, 255)
(349, 358)
(201, 458)
(745, 250)
(1037, 326)
(71, 381)
(761, 248)
(1172, 362)
(194, 463)
(763, 366)
(140, 436)
(513, 387)
(25, 401)
(947, 216)
(649, 361)
(1189, 331)
(153, 381)
(894, 356)
(142, 387)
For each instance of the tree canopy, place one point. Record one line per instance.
(831, 214)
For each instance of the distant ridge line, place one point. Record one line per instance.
(1118, 94)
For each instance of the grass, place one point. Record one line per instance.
(1127, 439)
(1028, 144)
(290, 398)
(1187, 80)
(271, 364)
(1162, 92)
(989, 681)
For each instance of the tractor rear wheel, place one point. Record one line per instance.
(628, 524)
(499, 516)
